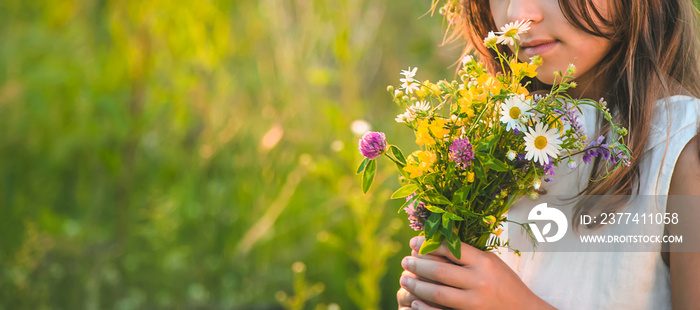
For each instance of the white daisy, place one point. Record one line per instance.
(410, 87)
(512, 31)
(405, 117)
(467, 59)
(410, 73)
(541, 142)
(420, 106)
(409, 83)
(491, 39)
(513, 110)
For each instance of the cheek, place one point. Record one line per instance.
(589, 53)
(499, 11)
(585, 53)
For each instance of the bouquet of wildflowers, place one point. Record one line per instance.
(482, 141)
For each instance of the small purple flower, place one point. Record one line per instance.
(516, 131)
(598, 148)
(572, 118)
(417, 213)
(372, 144)
(461, 152)
(549, 168)
(619, 156)
(588, 154)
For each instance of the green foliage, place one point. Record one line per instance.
(165, 154)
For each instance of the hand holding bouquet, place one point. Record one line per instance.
(483, 141)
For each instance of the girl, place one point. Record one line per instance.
(642, 57)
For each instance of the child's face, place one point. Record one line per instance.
(552, 36)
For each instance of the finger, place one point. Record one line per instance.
(445, 273)
(404, 298)
(438, 295)
(407, 273)
(415, 253)
(469, 254)
(419, 305)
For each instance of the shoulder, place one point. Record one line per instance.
(674, 119)
(686, 174)
(676, 104)
(681, 106)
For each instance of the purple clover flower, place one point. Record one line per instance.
(372, 144)
(461, 152)
(417, 213)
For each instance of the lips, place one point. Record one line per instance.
(537, 47)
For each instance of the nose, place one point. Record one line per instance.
(525, 9)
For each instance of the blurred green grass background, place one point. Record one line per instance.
(199, 155)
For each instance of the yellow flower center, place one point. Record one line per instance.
(511, 32)
(540, 142)
(514, 112)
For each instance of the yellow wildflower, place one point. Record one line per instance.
(490, 220)
(436, 89)
(424, 89)
(422, 92)
(470, 177)
(417, 167)
(465, 104)
(490, 83)
(427, 129)
(523, 69)
(498, 231)
(520, 90)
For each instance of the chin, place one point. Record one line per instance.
(547, 79)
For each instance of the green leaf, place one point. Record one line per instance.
(430, 178)
(396, 161)
(481, 242)
(460, 195)
(455, 247)
(467, 212)
(479, 171)
(397, 154)
(431, 225)
(447, 227)
(453, 216)
(363, 164)
(437, 199)
(409, 201)
(487, 143)
(368, 175)
(434, 209)
(491, 162)
(431, 244)
(404, 191)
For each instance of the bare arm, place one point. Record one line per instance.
(684, 266)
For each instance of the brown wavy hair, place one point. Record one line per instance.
(654, 54)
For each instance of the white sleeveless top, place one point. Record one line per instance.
(614, 280)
